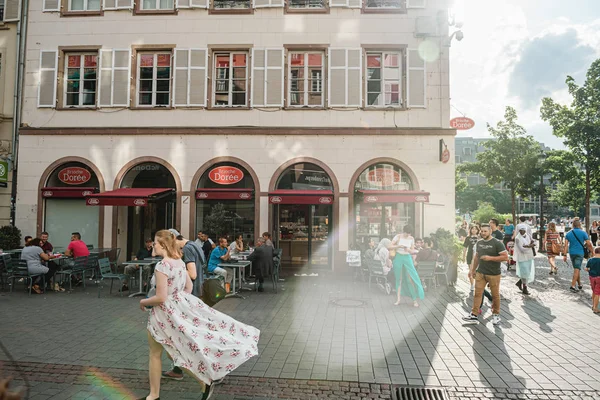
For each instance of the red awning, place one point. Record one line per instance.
(67, 192)
(127, 197)
(224, 194)
(394, 196)
(301, 197)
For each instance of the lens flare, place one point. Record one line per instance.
(429, 51)
(109, 386)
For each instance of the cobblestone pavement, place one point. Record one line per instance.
(324, 336)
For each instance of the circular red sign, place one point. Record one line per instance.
(462, 123)
(74, 175)
(226, 175)
(445, 156)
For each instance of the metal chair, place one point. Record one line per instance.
(277, 254)
(376, 271)
(113, 256)
(21, 271)
(426, 270)
(106, 273)
(78, 266)
(441, 270)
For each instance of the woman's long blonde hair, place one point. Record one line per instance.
(168, 242)
(552, 227)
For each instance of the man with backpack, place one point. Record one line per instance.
(577, 245)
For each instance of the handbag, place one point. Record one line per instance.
(586, 252)
(392, 254)
(556, 248)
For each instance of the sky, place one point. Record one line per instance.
(514, 53)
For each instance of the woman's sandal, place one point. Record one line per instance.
(208, 390)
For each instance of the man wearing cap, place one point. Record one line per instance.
(524, 245)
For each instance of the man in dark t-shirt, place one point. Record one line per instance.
(489, 254)
(496, 233)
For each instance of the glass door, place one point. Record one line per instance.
(319, 235)
(293, 228)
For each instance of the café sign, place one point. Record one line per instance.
(462, 123)
(383, 177)
(226, 175)
(74, 175)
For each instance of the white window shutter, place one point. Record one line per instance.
(47, 86)
(355, 3)
(267, 3)
(416, 87)
(257, 78)
(345, 77)
(110, 5)
(415, 3)
(51, 5)
(115, 77)
(190, 78)
(199, 3)
(338, 3)
(12, 10)
(182, 3)
(267, 77)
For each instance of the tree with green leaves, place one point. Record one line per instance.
(468, 200)
(511, 157)
(217, 222)
(460, 183)
(569, 177)
(579, 126)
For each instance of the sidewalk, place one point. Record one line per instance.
(325, 328)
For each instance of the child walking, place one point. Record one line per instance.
(593, 268)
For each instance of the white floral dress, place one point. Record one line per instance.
(202, 340)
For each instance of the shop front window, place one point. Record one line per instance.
(225, 202)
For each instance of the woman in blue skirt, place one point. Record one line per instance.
(408, 282)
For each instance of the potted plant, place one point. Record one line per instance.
(451, 249)
(10, 237)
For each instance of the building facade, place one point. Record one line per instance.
(9, 17)
(318, 121)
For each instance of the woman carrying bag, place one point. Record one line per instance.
(554, 246)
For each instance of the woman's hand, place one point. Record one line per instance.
(142, 306)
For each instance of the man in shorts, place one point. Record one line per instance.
(485, 268)
(574, 242)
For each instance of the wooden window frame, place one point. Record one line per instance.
(386, 48)
(212, 81)
(137, 9)
(213, 10)
(61, 78)
(289, 10)
(148, 48)
(306, 48)
(379, 10)
(81, 80)
(155, 67)
(65, 11)
(288, 82)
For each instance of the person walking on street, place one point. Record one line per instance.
(509, 229)
(204, 342)
(469, 245)
(408, 282)
(594, 233)
(525, 266)
(497, 233)
(593, 268)
(575, 243)
(489, 254)
(553, 246)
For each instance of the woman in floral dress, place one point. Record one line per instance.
(202, 341)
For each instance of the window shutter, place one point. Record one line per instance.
(267, 77)
(199, 3)
(47, 87)
(124, 4)
(417, 80)
(267, 3)
(115, 78)
(51, 5)
(110, 5)
(182, 3)
(415, 3)
(190, 77)
(345, 77)
(355, 3)
(12, 10)
(338, 3)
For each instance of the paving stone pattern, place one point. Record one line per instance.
(545, 347)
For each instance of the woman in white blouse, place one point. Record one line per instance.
(408, 282)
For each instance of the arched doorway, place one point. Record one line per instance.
(226, 202)
(64, 207)
(144, 202)
(302, 208)
(385, 200)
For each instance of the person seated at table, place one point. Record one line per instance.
(46, 245)
(27, 239)
(219, 255)
(77, 247)
(267, 237)
(427, 253)
(237, 246)
(34, 255)
(370, 252)
(262, 261)
(205, 244)
(131, 270)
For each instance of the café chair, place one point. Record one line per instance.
(426, 271)
(20, 271)
(106, 273)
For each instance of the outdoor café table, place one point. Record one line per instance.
(240, 266)
(151, 262)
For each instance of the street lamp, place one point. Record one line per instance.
(541, 231)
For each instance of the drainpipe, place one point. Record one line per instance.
(18, 103)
